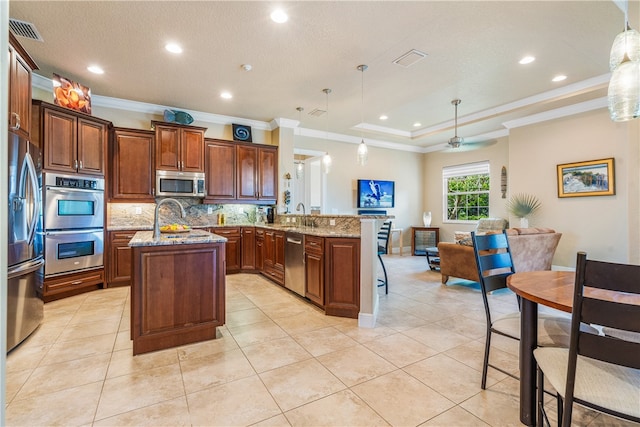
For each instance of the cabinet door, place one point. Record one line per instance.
(220, 170)
(60, 140)
(167, 147)
(118, 261)
(268, 174)
(259, 250)
(91, 144)
(192, 153)
(269, 249)
(248, 252)
(247, 172)
(314, 277)
(19, 94)
(342, 277)
(132, 176)
(278, 255)
(232, 247)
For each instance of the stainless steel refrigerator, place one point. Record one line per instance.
(25, 308)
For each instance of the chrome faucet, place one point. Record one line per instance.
(156, 224)
(304, 214)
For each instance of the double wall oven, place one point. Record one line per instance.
(73, 219)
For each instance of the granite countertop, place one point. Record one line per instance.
(193, 237)
(312, 231)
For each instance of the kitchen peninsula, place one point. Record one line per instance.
(177, 289)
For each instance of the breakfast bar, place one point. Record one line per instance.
(178, 288)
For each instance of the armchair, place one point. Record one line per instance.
(531, 248)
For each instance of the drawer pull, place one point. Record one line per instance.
(76, 282)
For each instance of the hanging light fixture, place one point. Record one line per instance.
(299, 164)
(326, 159)
(363, 151)
(456, 140)
(624, 87)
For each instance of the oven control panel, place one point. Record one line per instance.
(76, 182)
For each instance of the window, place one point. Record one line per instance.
(466, 192)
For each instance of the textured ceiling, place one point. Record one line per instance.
(473, 51)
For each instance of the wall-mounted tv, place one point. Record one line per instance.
(373, 193)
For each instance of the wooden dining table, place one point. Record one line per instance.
(553, 289)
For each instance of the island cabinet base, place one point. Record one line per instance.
(177, 295)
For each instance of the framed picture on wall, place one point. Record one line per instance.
(590, 178)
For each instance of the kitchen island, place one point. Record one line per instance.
(177, 289)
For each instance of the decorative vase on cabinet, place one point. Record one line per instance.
(426, 219)
(524, 222)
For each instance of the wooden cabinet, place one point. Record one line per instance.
(177, 295)
(118, 258)
(423, 238)
(248, 251)
(342, 277)
(257, 172)
(131, 173)
(233, 246)
(259, 249)
(72, 142)
(220, 161)
(314, 268)
(179, 147)
(72, 284)
(20, 68)
(239, 172)
(273, 261)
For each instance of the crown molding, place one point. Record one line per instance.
(282, 122)
(570, 110)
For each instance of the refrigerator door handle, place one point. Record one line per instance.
(31, 175)
(26, 268)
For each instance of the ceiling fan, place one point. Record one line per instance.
(457, 143)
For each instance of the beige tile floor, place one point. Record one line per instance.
(278, 361)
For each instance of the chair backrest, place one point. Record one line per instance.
(604, 305)
(493, 258)
(383, 237)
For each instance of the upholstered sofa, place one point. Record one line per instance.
(532, 249)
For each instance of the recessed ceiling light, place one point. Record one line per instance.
(279, 16)
(173, 48)
(226, 95)
(383, 117)
(417, 124)
(527, 60)
(559, 78)
(95, 69)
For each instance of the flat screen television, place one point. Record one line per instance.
(373, 193)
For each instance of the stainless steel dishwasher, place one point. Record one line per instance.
(294, 263)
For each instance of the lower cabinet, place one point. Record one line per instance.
(259, 252)
(342, 277)
(248, 251)
(233, 246)
(72, 284)
(118, 258)
(273, 256)
(314, 269)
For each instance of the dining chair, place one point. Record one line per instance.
(598, 371)
(495, 264)
(383, 248)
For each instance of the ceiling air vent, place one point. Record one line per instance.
(410, 58)
(25, 29)
(316, 112)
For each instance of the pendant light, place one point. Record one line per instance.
(299, 164)
(456, 140)
(624, 87)
(363, 151)
(326, 159)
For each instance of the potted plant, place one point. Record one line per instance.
(523, 206)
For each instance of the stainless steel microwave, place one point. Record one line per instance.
(184, 184)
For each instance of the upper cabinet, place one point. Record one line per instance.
(179, 147)
(72, 142)
(131, 173)
(257, 172)
(20, 67)
(241, 172)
